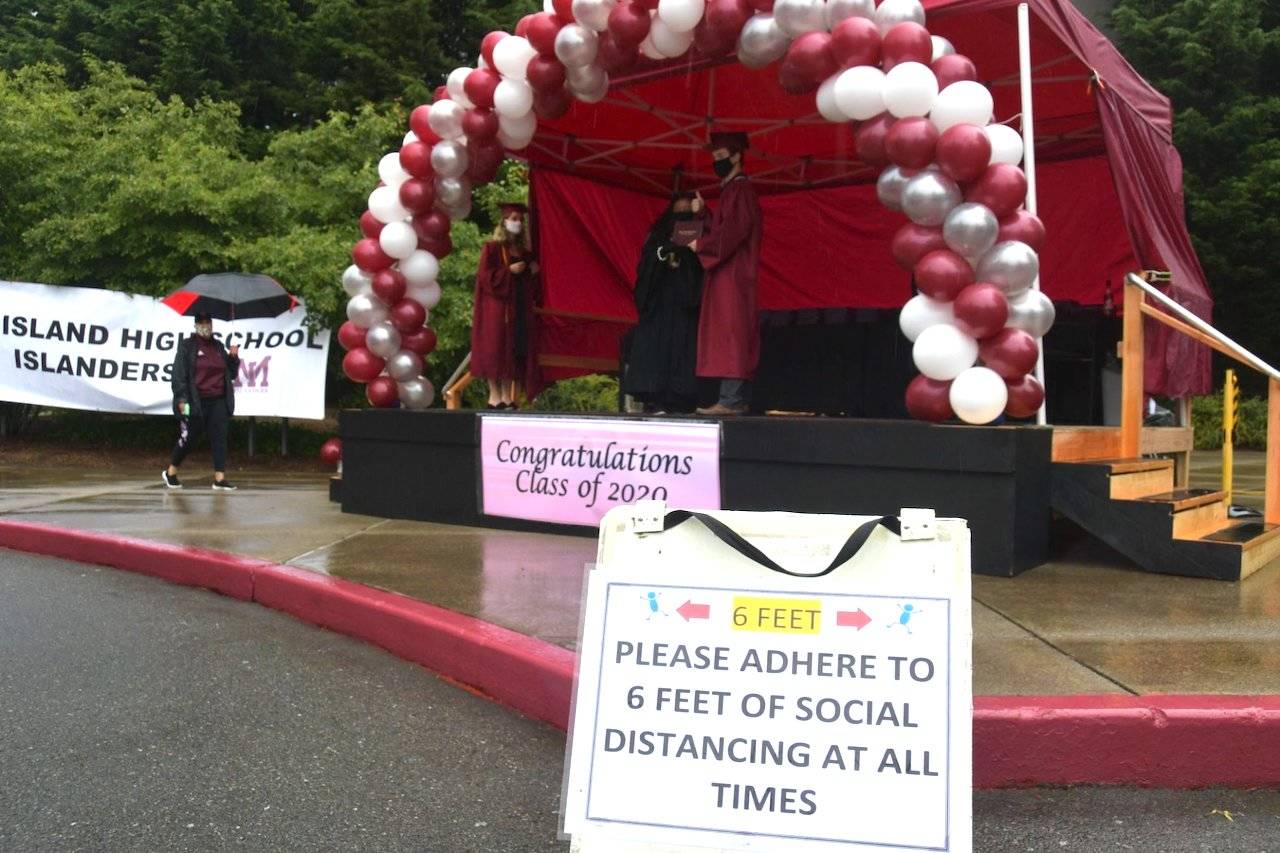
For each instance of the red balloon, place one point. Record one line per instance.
(415, 158)
(964, 152)
(441, 247)
(906, 42)
(1026, 395)
(1024, 226)
(522, 28)
(480, 125)
(910, 142)
(389, 286)
(484, 160)
(421, 127)
(546, 74)
(369, 256)
(912, 242)
(432, 226)
(929, 400)
(723, 21)
(369, 225)
(360, 365)
(942, 274)
(350, 335)
(563, 9)
(1002, 187)
(707, 43)
(761, 5)
(441, 94)
(981, 310)
(856, 41)
(953, 68)
(382, 392)
(480, 85)
(543, 29)
(408, 314)
(869, 139)
(417, 195)
(613, 57)
(552, 105)
(811, 58)
(489, 43)
(629, 24)
(1011, 352)
(793, 81)
(331, 451)
(421, 340)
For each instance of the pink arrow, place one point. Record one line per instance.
(689, 610)
(855, 619)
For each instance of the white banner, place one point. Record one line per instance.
(83, 348)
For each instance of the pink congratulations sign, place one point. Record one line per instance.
(574, 470)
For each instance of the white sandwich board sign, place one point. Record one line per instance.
(726, 702)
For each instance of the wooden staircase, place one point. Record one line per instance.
(1132, 505)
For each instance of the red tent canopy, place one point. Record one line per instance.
(1109, 185)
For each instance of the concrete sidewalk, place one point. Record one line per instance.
(1087, 623)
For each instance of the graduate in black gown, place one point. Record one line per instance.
(668, 294)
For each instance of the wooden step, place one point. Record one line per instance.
(1196, 516)
(1258, 542)
(1133, 485)
(1180, 500)
(1131, 466)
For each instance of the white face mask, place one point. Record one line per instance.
(513, 226)
(204, 331)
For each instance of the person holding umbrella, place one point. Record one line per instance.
(204, 371)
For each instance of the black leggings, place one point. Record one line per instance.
(212, 419)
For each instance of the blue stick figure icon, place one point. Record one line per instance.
(904, 617)
(653, 602)
(654, 606)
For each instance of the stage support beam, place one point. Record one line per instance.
(1271, 511)
(1131, 401)
(1029, 155)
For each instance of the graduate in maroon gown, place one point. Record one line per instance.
(729, 250)
(502, 322)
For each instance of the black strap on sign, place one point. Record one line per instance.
(735, 541)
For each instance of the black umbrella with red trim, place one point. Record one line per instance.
(231, 296)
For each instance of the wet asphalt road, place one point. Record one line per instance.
(138, 715)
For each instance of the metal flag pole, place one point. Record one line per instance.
(1029, 155)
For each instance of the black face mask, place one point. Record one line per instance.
(723, 167)
(688, 214)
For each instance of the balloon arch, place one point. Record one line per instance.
(919, 113)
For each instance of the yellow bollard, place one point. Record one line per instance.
(1230, 413)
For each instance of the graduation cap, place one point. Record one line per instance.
(510, 207)
(734, 140)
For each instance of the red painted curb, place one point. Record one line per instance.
(1154, 741)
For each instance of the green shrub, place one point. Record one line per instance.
(1251, 425)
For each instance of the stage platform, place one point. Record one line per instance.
(425, 466)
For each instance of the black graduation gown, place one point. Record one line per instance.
(664, 344)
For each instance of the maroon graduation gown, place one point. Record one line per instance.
(729, 326)
(503, 308)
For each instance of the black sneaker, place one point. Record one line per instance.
(170, 481)
(223, 486)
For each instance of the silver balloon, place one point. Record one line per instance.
(839, 10)
(356, 281)
(449, 158)
(383, 339)
(1032, 312)
(452, 192)
(576, 45)
(971, 229)
(761, 42)
(889, 187)
(1011, 266)
(366, 310)
(588, 83)
(928, 197)
(458, 212)
(404, 365)
(893, 12)
(942, 47)
(593, 13)
(797, 17)
(417, 393)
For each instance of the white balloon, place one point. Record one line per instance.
(513, 98)
(893, 12)
(390, 171)
(356, 281)
(454, 83)
(409, 137)
(366, 310)
(1006, 144)
(449, 158)
(593, 13)
(445, 119)
(860, 92)
(941, 47)
(420, 268)
(512, 55)
(681, 16)
(525, 125)
(576, 45)
(428, 295)
(797, 17)
(647, 49)
(669, 42)
(839, 10)
(398, 239)
(828, 106)
(943, 352)
(910, 89)
(922, 312)
(963, 102)
(512, 142)
(382, 339)
(384, 204)
(979, 395)
(549, 7)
